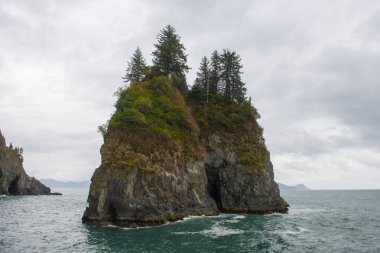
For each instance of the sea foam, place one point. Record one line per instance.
(216, 230)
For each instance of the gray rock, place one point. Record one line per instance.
(178, 187)
(13, 178)
(147, 179)
(134, 197)
(237, 187)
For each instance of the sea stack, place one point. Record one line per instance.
(13, 178)
(170, 152)
(165, 158)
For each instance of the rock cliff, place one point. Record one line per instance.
(162, 187)
(151, 172)
(238, 185)
(13, 178)
(159, 166)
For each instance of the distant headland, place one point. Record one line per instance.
(13, 178)
(294, 187)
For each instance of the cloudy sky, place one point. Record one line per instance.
(312, 69)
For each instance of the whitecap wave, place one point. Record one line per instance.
(232, 221)
(195, 217)
(215, 231)
(296, 232)
(239, 217)
(111, 226)
(192, 217)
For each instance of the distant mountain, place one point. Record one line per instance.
(295, 187)
(69, 184)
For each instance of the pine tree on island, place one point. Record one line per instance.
(215, 86)
(202, 81)
(221, 77)
(218, 80)
(234, 88)
(136, 68)
(170, 58)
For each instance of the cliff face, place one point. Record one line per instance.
(166, 187)
(13, 178)
(238, 185)
(152, 167)
(158, 166)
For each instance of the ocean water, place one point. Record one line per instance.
(318, 221)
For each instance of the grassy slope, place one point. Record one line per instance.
(153, 118)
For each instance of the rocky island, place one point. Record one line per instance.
(13, 178)
(170, 152)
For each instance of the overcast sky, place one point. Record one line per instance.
(312, 69)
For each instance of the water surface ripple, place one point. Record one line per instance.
(318, 221)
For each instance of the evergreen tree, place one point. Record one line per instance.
(136, 68)
(215, 74)
(202, 80)
(169, 56)
(234, 88)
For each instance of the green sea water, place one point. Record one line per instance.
(318, 221)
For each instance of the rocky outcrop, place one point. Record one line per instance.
(158, 166)
(13, 178)
(163, 187)
(238, 186)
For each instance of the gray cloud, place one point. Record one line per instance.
(310, 67)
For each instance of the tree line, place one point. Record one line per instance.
(220, 76)
(18, 150)
(218, 79)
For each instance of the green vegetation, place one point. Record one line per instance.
(170, 57)
(102, 129)
(220, 77)
(201, 85)
(226, 117)
(155, 112)
(154, 105)
(19, 151)
(215, 73)
(217, 98)
(136, 68)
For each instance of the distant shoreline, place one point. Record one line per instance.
(65, 184)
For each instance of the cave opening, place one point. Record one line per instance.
(13, 187)
(213, 184)
(113, 214)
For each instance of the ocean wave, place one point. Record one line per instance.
(192, 217)
(185, 219)
(232, 221)
(238, 217)
(215, 231)
(110, 226)
(225, 218)
(3, 196)
(298, 231)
